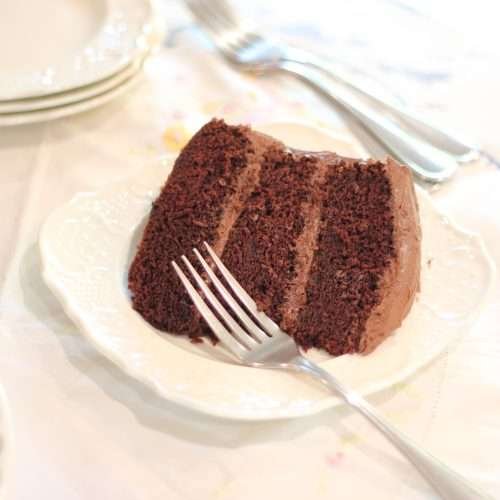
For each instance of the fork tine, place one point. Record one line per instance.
(236, 33)
(236, 329)
(216, 326)
(222, 12)
(217, 19)
(206, 19)
(202, 17)
(200, 13)
(270, 326)
(253, 328)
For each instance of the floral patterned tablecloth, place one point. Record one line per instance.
(76, 427)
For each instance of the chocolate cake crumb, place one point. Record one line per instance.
(316, 239)
(356, 245)
(185, 214)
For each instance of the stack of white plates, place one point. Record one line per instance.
(62, 57)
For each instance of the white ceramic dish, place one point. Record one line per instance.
(48, 48)
(72, 96)
(42, 115)
(86, 247)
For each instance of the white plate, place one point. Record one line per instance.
(86, 248)
(48, 48)
(42, 115)
(72, 96)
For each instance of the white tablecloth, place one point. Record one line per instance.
(75, 427)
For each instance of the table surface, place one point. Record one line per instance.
(75, 427)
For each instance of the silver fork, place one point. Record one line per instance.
(433, 159)
(256, 340)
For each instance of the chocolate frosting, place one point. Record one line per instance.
(400, 282)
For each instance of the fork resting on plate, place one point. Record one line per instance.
(256, 340)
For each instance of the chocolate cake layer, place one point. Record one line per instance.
(329, 247)
(198, 203)
(261, 251)
(355, 245)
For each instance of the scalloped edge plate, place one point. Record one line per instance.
(121, 37)
(72, 108)
(86, 246)
(46, 103)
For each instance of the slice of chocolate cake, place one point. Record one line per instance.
(329, 247)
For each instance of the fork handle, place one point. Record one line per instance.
(429, 163)
(461, 149)
(449, 484)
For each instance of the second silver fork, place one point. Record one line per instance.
(433, 159)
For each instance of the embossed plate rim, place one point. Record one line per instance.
(199, 383)
(123, 35)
